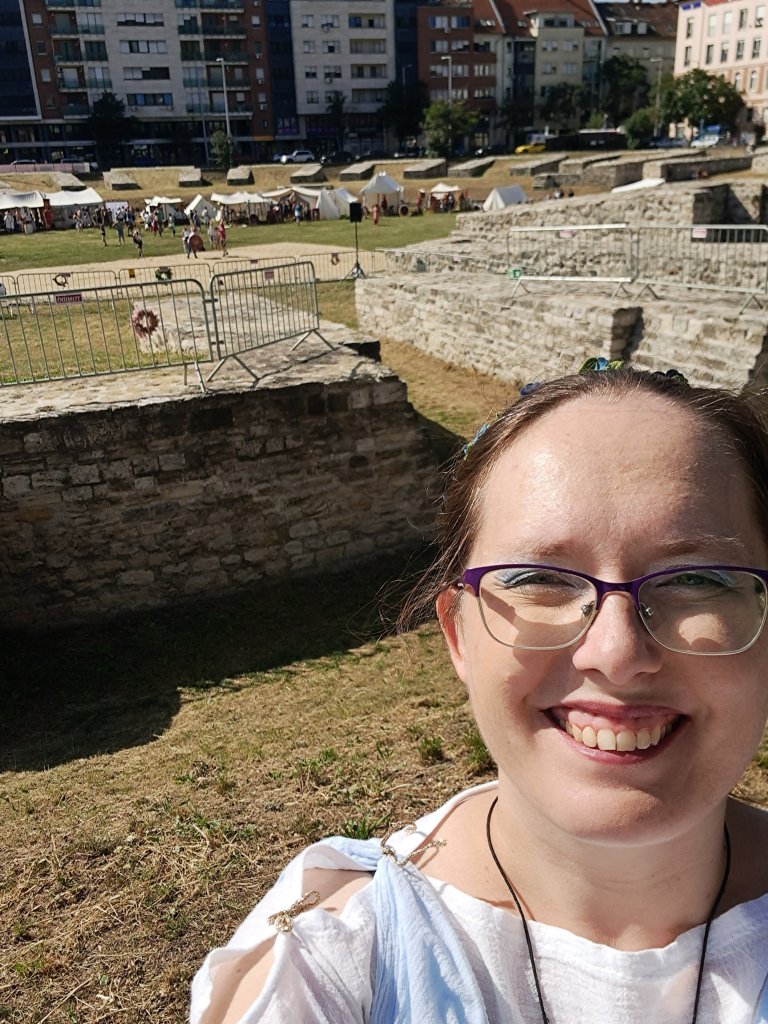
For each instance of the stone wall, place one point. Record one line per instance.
(675, 204)
(136, 504)
(542, 334)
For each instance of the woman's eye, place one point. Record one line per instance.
(518, 578)
(697, 580)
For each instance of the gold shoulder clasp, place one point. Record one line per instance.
(283, 919)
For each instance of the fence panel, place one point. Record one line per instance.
(7, 285)
(718, 256)
(223, 266)
(258, 307)
(91, 332)
(63, 280)
(340, 265)
(599, 252)
(193, 270)
(426, 261)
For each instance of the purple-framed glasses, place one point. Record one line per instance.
(689, 609)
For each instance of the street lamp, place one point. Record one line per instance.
(657, 126)
(450, 78)
(220, 60)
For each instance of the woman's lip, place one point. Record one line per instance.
(617, 711)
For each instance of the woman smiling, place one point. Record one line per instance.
(601, 587)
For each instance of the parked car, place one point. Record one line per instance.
(340, 156)
(298, 156)
(709, 141)
(409, 153)
(18, 163)
(664, 142)
(531, 147)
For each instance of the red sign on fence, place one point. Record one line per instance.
(269, 275)
(69, 298)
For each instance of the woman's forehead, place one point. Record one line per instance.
(637, 469)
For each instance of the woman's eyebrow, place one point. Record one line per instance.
(565, 550)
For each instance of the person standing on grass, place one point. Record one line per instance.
(222, 233)
(103, 231)
(9, 222)
(601, 584)
(138, 241)
(206, 218)
(185, 236)
(172, 223)
(78, 222)
(119, 227)
(212, 233)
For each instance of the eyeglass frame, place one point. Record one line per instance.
(471, 578)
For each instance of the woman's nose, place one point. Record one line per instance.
(617, 644)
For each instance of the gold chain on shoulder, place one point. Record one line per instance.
(283, 919)
(410, 827)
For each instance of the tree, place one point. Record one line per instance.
(337, 117)
(624, 86)
(110, 127)
(403, 109)
(223, 147)
(444, 123)
(699, 96)
(514, 115)
(640, 126)
(562, 104)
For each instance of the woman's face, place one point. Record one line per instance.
(616, 490)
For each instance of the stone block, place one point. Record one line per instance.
(358, 172)
(307, 174)
(241, 175)
(190, 177)
(16, 486)
(472, 168)
(432, 168)
(545, 164)
(119, 181)
(136, 578)
(69, 182)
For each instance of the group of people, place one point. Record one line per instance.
(560, 194)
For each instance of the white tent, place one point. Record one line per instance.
(642, 183)
(168, 205)
(382, 185)
(503, 196)
(83, 197)
(442, 188)
(319, 199)
(342, 198)
(22, 200)
(198, 205)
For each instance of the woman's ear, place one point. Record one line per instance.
(449, 617)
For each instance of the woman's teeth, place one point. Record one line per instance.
(624, 740)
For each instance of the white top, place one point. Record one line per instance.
(327, 975)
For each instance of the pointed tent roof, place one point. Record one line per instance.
(382, 185)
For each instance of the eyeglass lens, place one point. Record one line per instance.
(707, 611)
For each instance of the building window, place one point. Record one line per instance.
(755, 48)
(369, 95)
(710, 54)
(711, 24)
(435, 46)
(759, 15)
(460, 21)
(45, 74)
(307, 21)
(687, 56)
(438, 21)
(140, 19)
(737, 81)
(310, 71)
(258, 48)
(570, 69)
(309, 46)
(460, 45)
(143, 46)
(149, 99)
(689, 28)
(743, 18)
(40, 47)
(438, 70)
(331, 71)
(549, 45)
(549, 69)
(724, 53)
(50, 102)
(37, 19)
(461, 70)
(438, 95)
(727, 18)
(376, 21)
(140, 74)
(642, 28)
(255, 21)
(329, 21)
(313, 97)
(486, 93)
(485, 70)
(569, 45)
(333, 46)
(739, 49)
(752, 81)
(380, 46)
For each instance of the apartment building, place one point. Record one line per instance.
(729, 39)
(169, 61)
(647, 32)
(343, 49)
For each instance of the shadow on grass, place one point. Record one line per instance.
(89, 690)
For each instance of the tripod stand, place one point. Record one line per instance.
(357, 271)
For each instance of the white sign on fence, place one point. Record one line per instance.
(68, 299)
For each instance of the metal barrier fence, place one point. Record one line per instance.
(600, 252)
(193, 270)
(258, 307)
(46, 336)
(63, 280)
(721, 257)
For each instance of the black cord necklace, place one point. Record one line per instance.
(529, 944)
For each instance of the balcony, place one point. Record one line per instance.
(233, 57)
(59, 5)
(198, 108)
(75, 110)
(223, 31)
(59, 31)
(63, 86)
(66, 58)
(95, 83)
(222, 5)
(191, 28)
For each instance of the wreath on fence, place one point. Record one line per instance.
(335, 260)
(163, 273)
(145, 322)
(61, 280)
